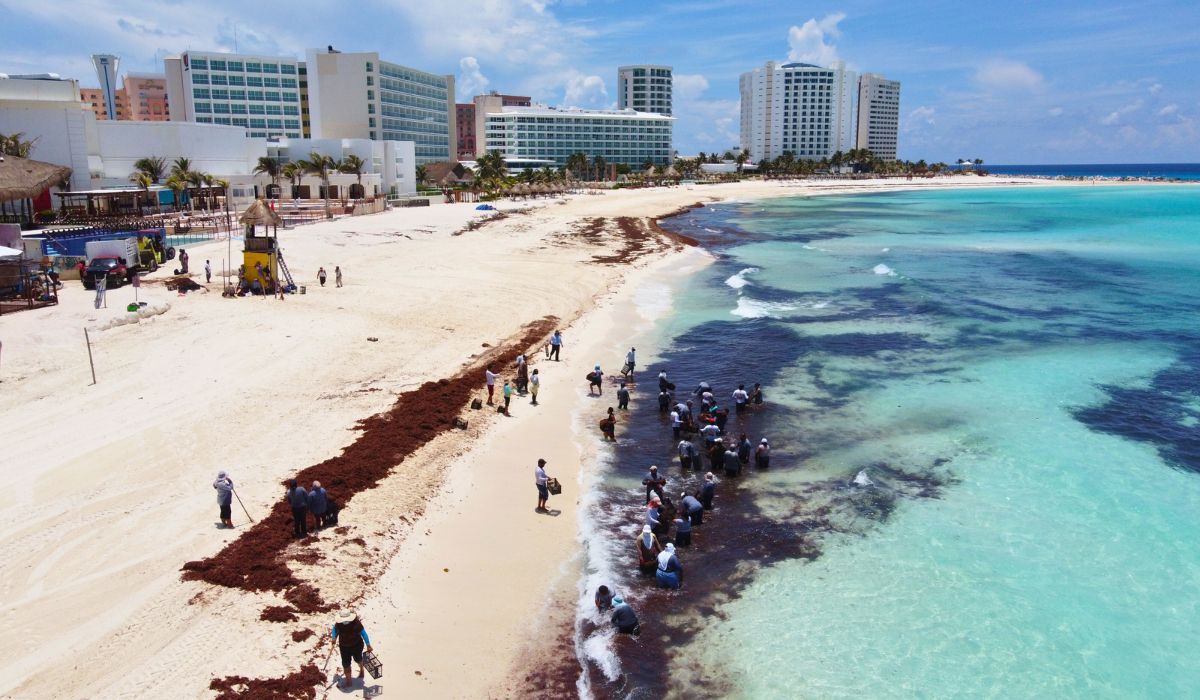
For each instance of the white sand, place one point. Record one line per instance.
(110, 484)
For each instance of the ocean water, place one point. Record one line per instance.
(984, 411)
(1174, 171)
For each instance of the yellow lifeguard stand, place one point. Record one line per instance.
(261, 257)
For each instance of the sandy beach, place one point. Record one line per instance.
(461, 584)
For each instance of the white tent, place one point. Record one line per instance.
(10, 252)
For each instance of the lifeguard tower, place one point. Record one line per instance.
(262, 259)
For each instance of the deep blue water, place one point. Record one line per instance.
(1179, 171)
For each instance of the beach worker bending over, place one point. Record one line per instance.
(648, 549)
(687, 454)
(595, 380)
(623, 617)
(318, 504)
(670, 571)
(608, 426)
(604, 598)
(224, 487)
(556, 343)
(683, 530)
(350, 636)
(691, 507)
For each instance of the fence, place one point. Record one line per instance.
(24, 286)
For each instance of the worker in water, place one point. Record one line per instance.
(623, 617)
(670, 571)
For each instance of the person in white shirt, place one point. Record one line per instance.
(676, 423)
(630, 362)
(540, 478)
(535, 382)
(490, 376)
(710, 432)
(740, 398)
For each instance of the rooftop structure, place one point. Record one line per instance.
(262, 94)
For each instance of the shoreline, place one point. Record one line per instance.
(185, 374)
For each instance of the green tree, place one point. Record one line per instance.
(422, 173)
(270, 167)
(601, 166)
(16, 145)
(153, 167)
(293, 172)
(352, 165)
(321, 166)
(177, 186)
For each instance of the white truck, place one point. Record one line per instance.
(124, 248)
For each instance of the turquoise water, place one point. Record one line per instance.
(1014, 377)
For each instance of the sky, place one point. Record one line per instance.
(1009, 82)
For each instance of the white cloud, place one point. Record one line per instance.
(919, 117)
(1116, 116)
(584, 91)
(471, 80)
(688, 87)
(1005, 74)
(711, 125)
(1155, 88)
(1168, 110)
(808, 41)
(1055, 111)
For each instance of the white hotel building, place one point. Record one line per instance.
(878, 115)
(799, 108)
(645, 88)
(538, 136)
(263, 94)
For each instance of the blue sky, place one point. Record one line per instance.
(1009, 82)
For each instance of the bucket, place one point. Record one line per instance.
(303, 289)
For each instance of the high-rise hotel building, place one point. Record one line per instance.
(544, 136)
(357, 95)
(331, 95)
(645, 88)
(264, 94)
(799, 108)
(878, 115)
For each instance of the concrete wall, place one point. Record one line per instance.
(51, 113)
(337, 93)
(223, 151)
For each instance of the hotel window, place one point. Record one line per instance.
(274, 123)
(220, 94)
(199, 64)
(370, 108)
(200, 93)
(255, 95)
(222, 120)
(239, 122)
(291, 97)
(291, 123)
(199, 78)
(370, 80)
(371, 122)
(370, 66)
(291, 110)
(237, 108)
(234, 65)
(237, 94)
(274, 109)
(253, 67)
(270, 67)
(221, 108)
(372, 134)
(288, 83)
(237, 80)
(257, 109)
(216, 65)
(271, 82)
(204, 107)
(370, 94)
(272, 96)
(254, 81)
(258, 123)
(287, 69)
(204, 120)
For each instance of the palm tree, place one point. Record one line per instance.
(177, 186)
(293, 172)
(353, 165)
(321, 165)
(741, 159)
(195, 179)
(16, 145)
(547, 174)
(153, 167)
(270, 167)
(492, 167)
(422, 173)
(601, 165)
(577, 163)
(142, 180)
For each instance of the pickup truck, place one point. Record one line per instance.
(110, 267)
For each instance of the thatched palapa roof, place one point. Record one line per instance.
(21, 178)
(260, 214)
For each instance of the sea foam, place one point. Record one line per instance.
(882, 269)
(739, 280)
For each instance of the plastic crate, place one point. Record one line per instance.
(373, 664)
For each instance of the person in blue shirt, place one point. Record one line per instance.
(350, 636)
(555, 346)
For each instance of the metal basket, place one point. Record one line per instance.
(553, 486)
(373, 664)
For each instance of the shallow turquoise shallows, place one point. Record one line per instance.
(1028, 357)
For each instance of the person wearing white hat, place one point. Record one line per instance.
(762, 456)
(670, 571)
(224, 487)
(648, 549)
(351, 637)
